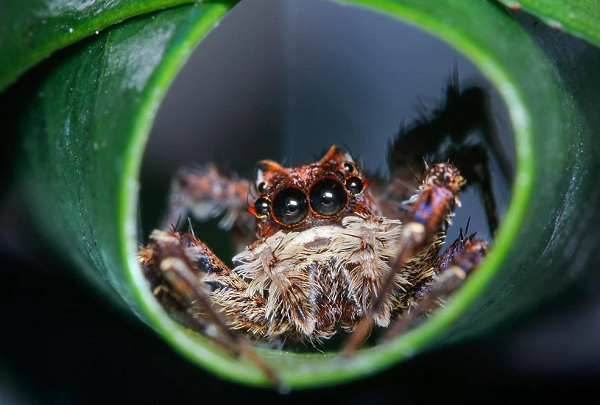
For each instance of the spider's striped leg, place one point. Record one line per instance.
(188, 317)
(462, 131)
(459, 260)
(429, 214)
(206, 193)
(177, 265)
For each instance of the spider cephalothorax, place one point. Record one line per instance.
(303, 197)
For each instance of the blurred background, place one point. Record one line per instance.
(279, 80)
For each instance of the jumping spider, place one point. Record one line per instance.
(334, 248)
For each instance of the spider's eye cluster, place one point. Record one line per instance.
(290, 206)
(328, 197)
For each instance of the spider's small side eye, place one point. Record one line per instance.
(355, 185)
(261, 186)
(327, 197)
(290, 206)
(262, 207)
(349, 167)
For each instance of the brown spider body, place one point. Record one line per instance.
(326, 249)
(322, 254)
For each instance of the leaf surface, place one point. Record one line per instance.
(578, 17)
(34, 29)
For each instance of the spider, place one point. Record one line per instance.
(335, 249)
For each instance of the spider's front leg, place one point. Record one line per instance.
(431, 209)
(194, 285)
(206, 193)
(462, 131)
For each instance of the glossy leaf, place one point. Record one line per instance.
(578, 17)
(32, 30)
(90, 119)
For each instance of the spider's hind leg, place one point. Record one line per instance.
(208, 192)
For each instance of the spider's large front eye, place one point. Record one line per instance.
(290, 206)
(328, 197)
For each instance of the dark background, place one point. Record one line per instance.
(312, 79)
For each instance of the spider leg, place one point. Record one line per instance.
(461, 132)
(457, 263)
(169, 263)
(429, 215)
(206, 193)
(186, 316)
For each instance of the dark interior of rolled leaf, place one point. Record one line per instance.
(286, 80)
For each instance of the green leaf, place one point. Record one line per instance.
(578, 17)
(85, 136)
(33, 30)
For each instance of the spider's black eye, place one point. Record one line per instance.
(290, 206)
(355, 185)
(261, 186)
(327, 197)
(349, 167)
(262, 206)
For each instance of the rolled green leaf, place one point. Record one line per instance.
(578, 17)
(33, 30)
(85, 134)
